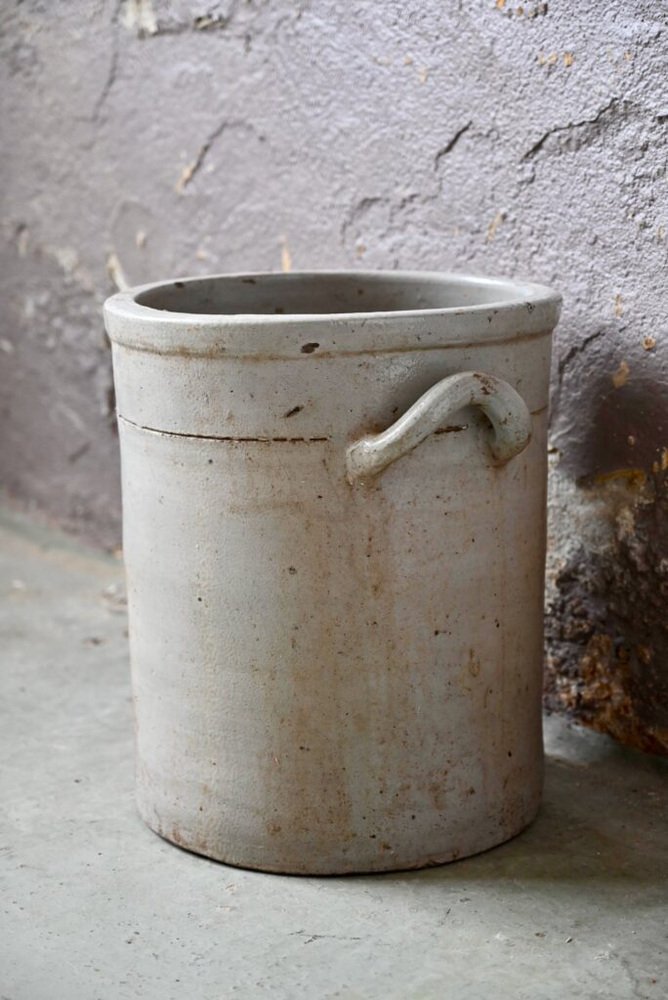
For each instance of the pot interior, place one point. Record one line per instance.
(323, 293)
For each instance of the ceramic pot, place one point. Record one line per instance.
(334, 536)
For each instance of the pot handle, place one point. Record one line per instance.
(506, 410)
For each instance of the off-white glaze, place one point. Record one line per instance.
(334, 675)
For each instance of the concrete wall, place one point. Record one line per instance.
(149, 139)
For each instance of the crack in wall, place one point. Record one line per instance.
(359, 209)
(590, 126)
(140, 17)
(112, 72)
(573, 353)
(191, 169)
(395, 209)
(449, 146)
(206, 22)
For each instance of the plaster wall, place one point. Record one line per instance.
(151, 138)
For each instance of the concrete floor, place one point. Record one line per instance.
(95, 906)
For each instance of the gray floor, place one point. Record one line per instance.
(95, 906)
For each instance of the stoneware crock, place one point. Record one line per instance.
(334, 536)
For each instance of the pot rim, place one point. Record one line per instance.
(515, 309)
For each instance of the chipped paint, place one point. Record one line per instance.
(621, 376)
(286, 256)
(494, 225)
(116, 273)
(187, 174)
(549, 59)
(139, 16)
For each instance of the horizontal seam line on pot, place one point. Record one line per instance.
(186, 352)
(271, 440)
(259, 439)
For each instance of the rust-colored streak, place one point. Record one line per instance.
(436, 791)
(606, 634)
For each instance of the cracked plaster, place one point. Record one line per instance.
(149, 138)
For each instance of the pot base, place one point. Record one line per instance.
(344, 866)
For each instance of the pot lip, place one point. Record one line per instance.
(522, 308)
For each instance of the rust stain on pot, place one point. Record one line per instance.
(451, 429)
(487, 387)
(436, 791)
(175, 835)
(473, 664)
